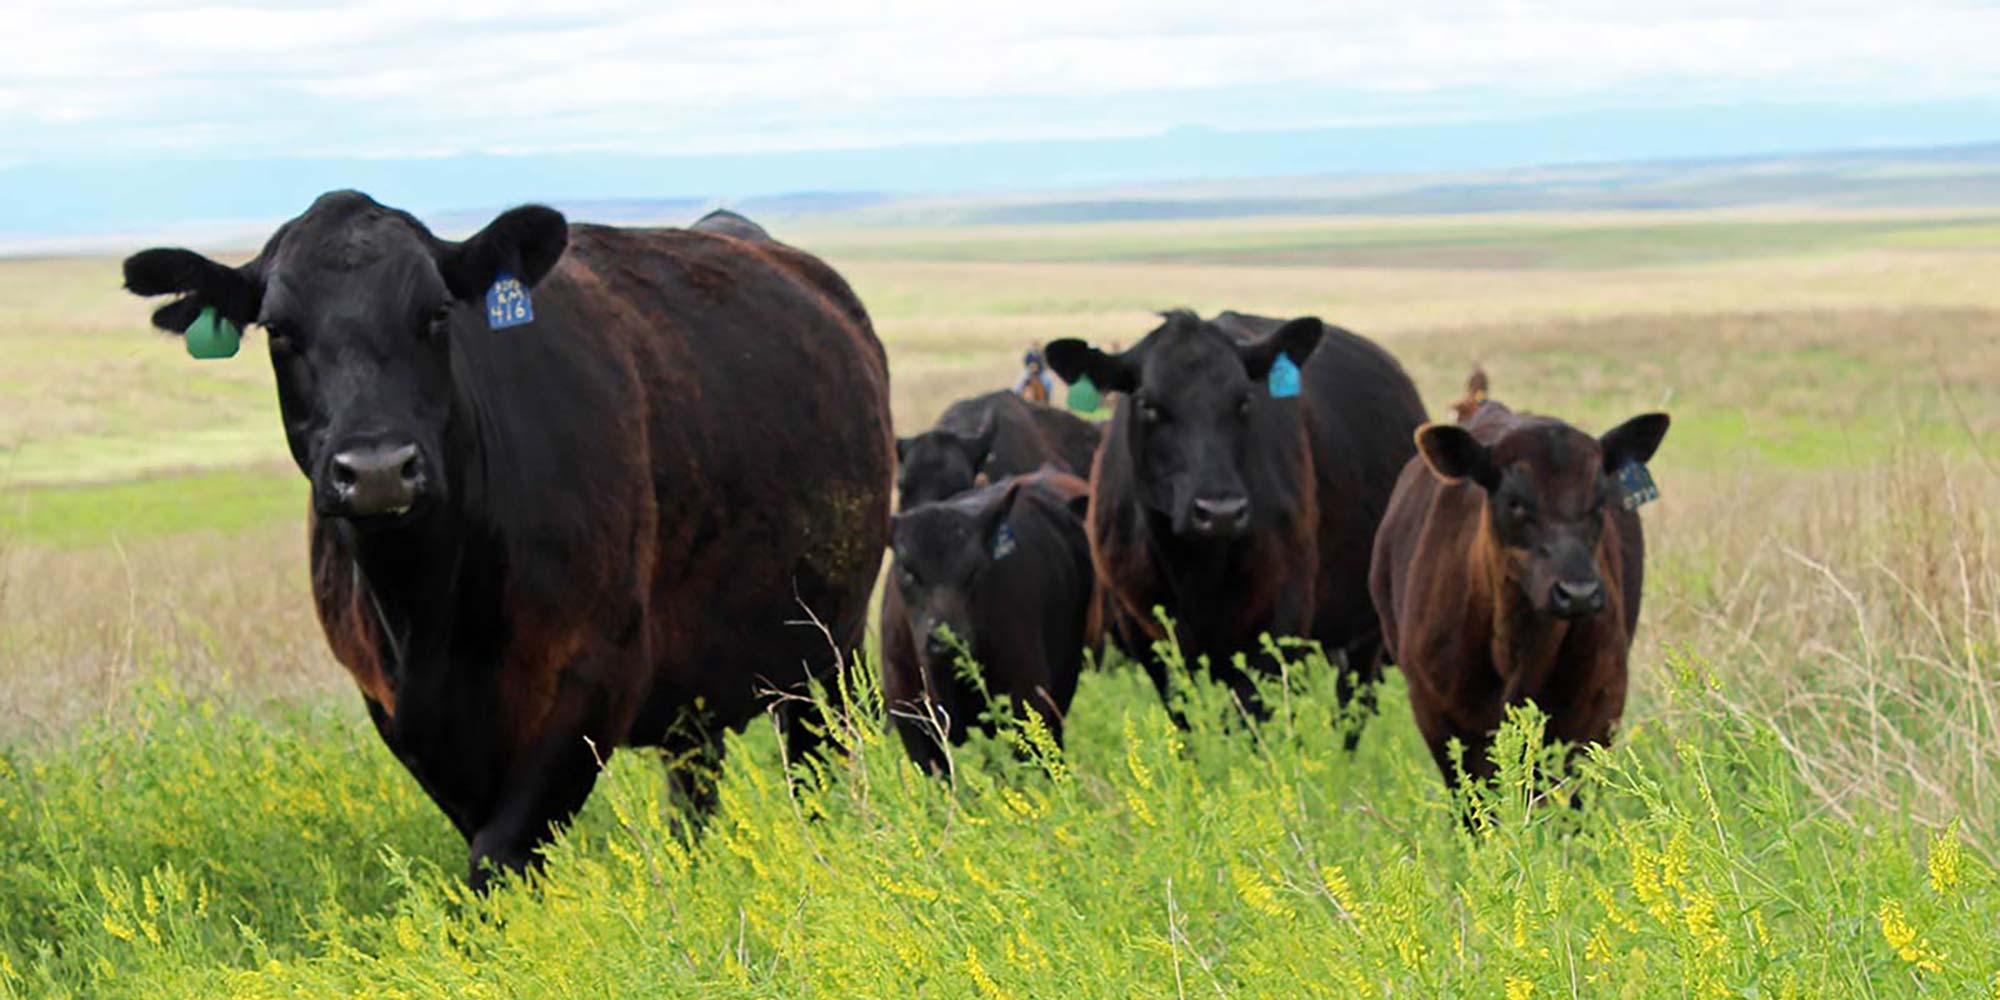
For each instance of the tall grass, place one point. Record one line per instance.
(1863, 624)
(196, 852)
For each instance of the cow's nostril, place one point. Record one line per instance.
(1224, 515)
(370, 480)
(1579, 598)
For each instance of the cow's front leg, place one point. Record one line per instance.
(552, 770)
(453, 807)
(1290, 618)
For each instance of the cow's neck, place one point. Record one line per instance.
(417, 575)
(412, 577)
(1202, 578)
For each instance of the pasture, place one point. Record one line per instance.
(1805, 799)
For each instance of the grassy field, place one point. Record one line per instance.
(1803, 802)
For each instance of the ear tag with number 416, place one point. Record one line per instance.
(507, 303)
(1635, 485)
(1083, 395)
(1284, 377)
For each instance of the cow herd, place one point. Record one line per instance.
(575, 487)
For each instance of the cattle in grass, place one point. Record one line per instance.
(1243, 473)
(998, 581)
(1509, 569)
(572, 486)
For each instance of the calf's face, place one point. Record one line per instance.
(361, 303)
(1197, 417)
(1548, 488)
(942, 552)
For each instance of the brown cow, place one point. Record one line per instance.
(573, 487)
(1508, 570)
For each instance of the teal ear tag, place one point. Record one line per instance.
(210, 337)
(1284, 377)
(1083, 395)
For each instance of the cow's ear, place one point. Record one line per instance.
(1454, 455)
(523, 242)
(993, 513)
(1635, 440)
(1072, 359)
(1296, 340)
(233, 292)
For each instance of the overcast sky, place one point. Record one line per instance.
(120, 117)
(91, 80)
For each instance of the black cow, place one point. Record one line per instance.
(995, 435)
(1239, 510)
(1002, 573)
(532, 544)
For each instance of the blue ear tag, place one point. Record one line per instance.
(1635, 486)
(1284, 377)
(507, 303)
(1083, 395)
(1003, 542)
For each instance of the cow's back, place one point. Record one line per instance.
(1026, 435)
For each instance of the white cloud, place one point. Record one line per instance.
(382, 78)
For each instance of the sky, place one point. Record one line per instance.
(109, 111)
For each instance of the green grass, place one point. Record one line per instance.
(223, 501)
(196, 851)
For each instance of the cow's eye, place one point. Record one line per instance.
(1243, 405)
(1517, 510)
(1151, 413)
(907, 578)
(280, 338)
(439, 323)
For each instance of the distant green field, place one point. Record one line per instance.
(1461, 242)
(221, 501)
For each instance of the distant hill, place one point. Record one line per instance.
(1014, 188)
(1949, 177)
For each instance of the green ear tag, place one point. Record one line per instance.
(210, 336)
(1083, 395)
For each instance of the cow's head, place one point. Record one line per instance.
(361, 303)
(942, 553)
(940, 463)
(1202, 429)
(1548, 489)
